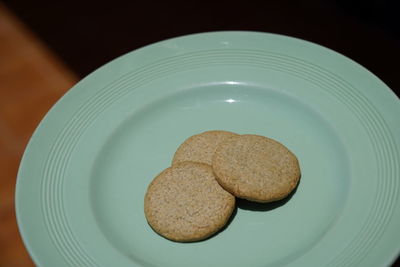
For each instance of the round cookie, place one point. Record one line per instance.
(185, 203)
(256, 168)
(200, 147)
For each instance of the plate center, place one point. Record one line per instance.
(143, 145)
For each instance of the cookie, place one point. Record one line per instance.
(256, 168)
(200, 147)
(185, 203)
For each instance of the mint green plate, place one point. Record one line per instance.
(84, 174)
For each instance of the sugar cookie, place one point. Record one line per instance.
(185, 203)
(200, 147)
(256, 168)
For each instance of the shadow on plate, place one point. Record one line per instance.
(255, 206)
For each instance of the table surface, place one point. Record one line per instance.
(46, 48)
(31, 80)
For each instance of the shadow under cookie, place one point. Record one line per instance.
(245, 204)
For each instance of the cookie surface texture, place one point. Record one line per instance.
(201, 147)
(256, 168)
(185, 203)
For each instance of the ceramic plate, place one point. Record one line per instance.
(84, 174)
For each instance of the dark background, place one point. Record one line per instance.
(87, 34)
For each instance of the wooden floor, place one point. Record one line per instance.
(31, 80)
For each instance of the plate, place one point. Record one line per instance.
(80, 188)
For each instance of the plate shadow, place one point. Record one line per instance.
(245, 204)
